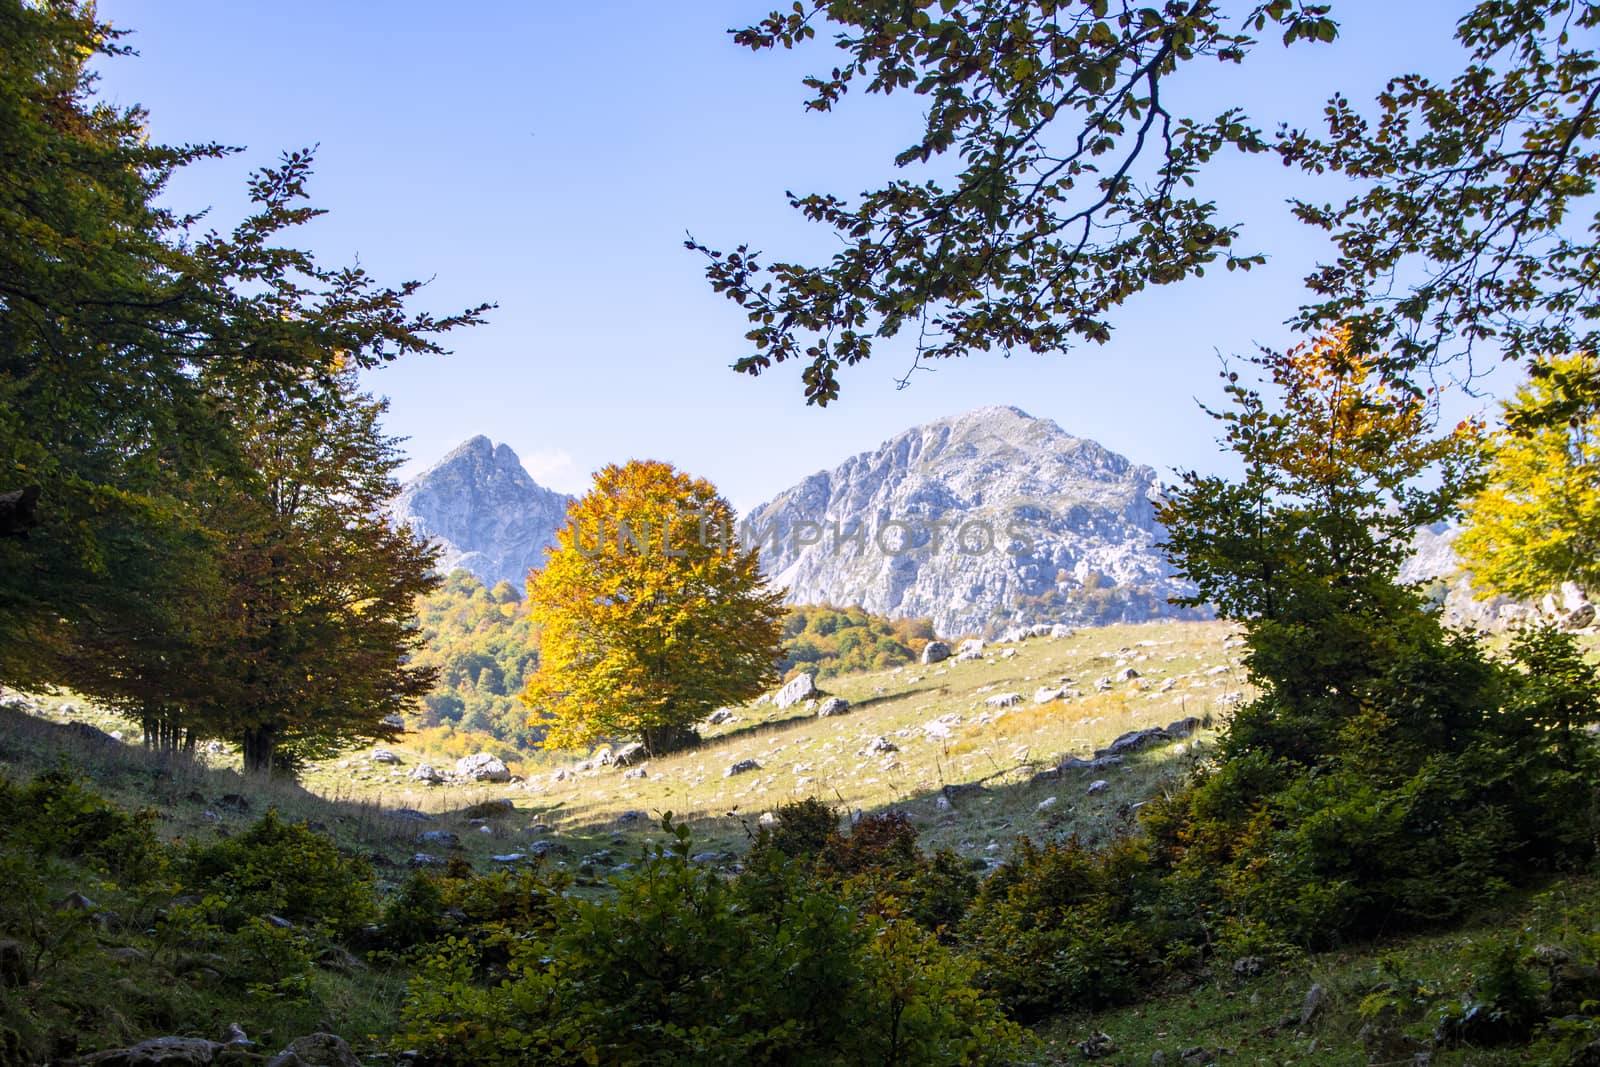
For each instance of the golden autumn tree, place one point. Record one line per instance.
(652, 614)
(1537, 522)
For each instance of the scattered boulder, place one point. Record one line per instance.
(1059, 631)
(1578, 618)
(1099, 785)
(510, 857)
(427, 775)
(1003, 700)
(1127, 674)
(383, 755)
(630, 754)
(1044, 805)
(632, 815)
(1096, 1046)
(880, 746)
(935, 652)
(720, 716)
(1045, 694)
(482, 767)
(410, 815)
(160, 1052)
(833, 706)
(962, 789)
(800, 687)
(972, 648)
(316, 1050)
(635, 774)
(447, 838)
(1315, 1004)
(1248, 966)
(744, 766)
(1099, 763)
(1135, 741)
(1183, 727)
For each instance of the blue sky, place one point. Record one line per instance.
(550, 156)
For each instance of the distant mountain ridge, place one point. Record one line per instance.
(484, 511)
(979, 521)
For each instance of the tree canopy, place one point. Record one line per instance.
(1305, 548)
(1058, 172)
(148, 369)
(1536, 523)
(653, 615)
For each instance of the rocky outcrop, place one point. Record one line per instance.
(482, 767)
(484, 511)
(981, 522)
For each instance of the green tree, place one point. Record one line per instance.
(315, 628)
(1536, 523)
(653, 615)
(1305, 549)
(122, 332)
(1058, 172)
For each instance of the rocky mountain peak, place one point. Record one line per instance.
(484, 511)
(982, 520)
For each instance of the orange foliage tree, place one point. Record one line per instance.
(652, 614)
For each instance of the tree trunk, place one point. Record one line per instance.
(663, 740)
(259, 745)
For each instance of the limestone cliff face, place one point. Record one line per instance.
(484, 511)
(980, 521)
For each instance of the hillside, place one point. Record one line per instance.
(971, 764)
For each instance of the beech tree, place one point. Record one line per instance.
(136, 354)
(312, 635)
(1058, 172)
(1536, 523)
(653, 615)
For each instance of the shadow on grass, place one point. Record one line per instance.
(198, 800)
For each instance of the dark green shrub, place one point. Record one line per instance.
(1505, 1005)
(880, 863)
(283, 869)
(803, 829)
(56, 815)
(414, 915)
(1066, 925)
(684, 966)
